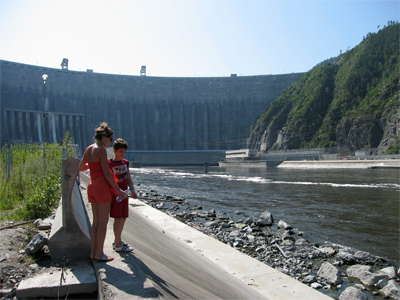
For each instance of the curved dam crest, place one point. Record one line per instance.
(152, 113)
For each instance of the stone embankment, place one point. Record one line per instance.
(338, 271)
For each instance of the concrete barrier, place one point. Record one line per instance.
(70, 233)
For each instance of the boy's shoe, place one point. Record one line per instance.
(125, 248)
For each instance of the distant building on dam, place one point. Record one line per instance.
(151, 113)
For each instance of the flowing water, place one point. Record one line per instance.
(354, 207)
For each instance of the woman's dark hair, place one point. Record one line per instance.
(120, 144)
(103, 130)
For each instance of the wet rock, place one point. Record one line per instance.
(211, 223)
(309, 279)
(267, 231)
(237, 243)
(238, 212)
(251, 238)
(212, 213)
(234, 234)
(329, 272)
(282, 224)
(347, 257)
(301, 242)
(327, 251)
(389, 271)
(36, 244)
(353, 293)
(316, 285)
(287, 242)
(260, 249)
(248, 220)
(391, 290)
(381, 283)
(265, 219)
(240, 225)
(363, 257)
(247, 229)
(363, 274)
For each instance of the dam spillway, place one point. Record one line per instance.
(151, 113)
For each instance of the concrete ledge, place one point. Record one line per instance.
(175, 261)
(337, 164)
(79, 278)
(252, 273)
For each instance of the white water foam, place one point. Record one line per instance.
(260, 180)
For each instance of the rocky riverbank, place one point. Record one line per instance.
(338, 271)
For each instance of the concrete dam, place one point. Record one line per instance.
(152, 113)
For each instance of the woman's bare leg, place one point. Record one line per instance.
(93, 232)
(118, 227)
(102, 220)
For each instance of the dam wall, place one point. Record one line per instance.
(151, 113)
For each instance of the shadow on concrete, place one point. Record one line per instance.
(141, 281)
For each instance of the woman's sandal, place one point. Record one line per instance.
(103, 258)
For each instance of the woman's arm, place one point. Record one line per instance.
(107, 173)
(83, 165)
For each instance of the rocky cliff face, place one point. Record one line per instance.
(350, 101)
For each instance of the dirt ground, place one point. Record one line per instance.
(15, 265)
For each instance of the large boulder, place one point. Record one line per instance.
(391, 290)
(329, 272)
(353, 293)
(389, 271)
(265, 219)
(363, 274)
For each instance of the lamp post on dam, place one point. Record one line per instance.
(49, 127)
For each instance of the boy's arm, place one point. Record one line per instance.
(130, 183)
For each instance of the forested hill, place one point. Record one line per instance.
(348, 101)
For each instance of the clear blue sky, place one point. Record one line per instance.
(187, 37)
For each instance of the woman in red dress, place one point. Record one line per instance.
(99, 188)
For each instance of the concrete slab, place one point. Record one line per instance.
(76, 279)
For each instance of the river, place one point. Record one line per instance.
(354, 207)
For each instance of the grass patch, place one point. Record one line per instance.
(30, 177)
